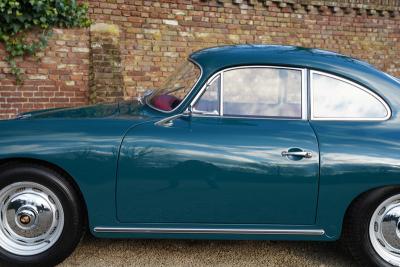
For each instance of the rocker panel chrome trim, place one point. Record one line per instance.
(153, 230)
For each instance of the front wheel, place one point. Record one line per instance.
(40, 216)
(372, 228)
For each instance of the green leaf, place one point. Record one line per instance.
(18, 17)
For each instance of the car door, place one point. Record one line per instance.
(246, 155)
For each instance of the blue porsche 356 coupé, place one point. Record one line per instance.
(242, 142)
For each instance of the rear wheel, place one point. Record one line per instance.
(372, 228)
(41, 219)
(384, 230)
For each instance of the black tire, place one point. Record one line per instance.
(356, 226)
(74, 219)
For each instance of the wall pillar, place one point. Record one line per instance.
(105, 78)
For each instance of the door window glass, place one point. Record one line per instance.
(265, 92)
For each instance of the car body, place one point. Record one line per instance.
(145, 172)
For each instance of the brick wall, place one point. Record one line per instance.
(57, 78)
(154, 36)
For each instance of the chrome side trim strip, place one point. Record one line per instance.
(153, 230)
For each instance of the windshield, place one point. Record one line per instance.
(175, 88)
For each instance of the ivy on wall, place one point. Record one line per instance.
(19, 17)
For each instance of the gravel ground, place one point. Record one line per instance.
(107, 252)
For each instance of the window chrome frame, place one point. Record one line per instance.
(304, 94)
(368, 91)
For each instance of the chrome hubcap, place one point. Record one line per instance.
(31, 218)
(384, 230)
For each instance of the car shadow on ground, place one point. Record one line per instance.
(123, 252)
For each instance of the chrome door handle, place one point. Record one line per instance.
(303, 154)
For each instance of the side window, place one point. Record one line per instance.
(209, 100)
(264, 92)
(334, 98)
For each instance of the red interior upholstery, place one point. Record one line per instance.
(165, 102)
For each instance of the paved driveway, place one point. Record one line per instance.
(105, 252)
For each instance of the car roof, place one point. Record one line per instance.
(214, 59)
(233, 55)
